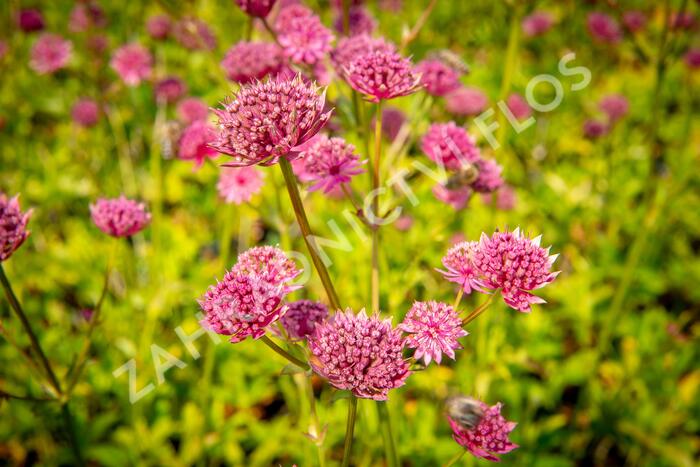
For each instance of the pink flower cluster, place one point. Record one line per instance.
(603, 28)
(50, 53)
(537, 23)
(256, 8)
(302, 316)
(382, 75)
(239, 185)
(119, 217)
(246, 62)
(304, 39)
(13, 226)
(86, 112)
(466, 101)
(194, 34)
(133, 63)
(437, 77)
(350, 48)
(433, 329)
(195, 143)
(489, 436)
(328, 162)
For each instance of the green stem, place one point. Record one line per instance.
(456, 458)
(303, 221)
(7, 395)
(374, 277)
(279, 350)
(69, 420)
(509, 69)
(315, 429)
(458, 300)
(349, 430)
(392, 456)
(480, 309)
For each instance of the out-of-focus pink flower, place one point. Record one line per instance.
(692, 59)
(615, 106)
(271, 264)
(382, 76)
(392, 121)
(256, 8)
(192, 109)
(194, 144)
(490, 435)
(288, 13)
(594, 129)
(404, 223)
(459, 266)
(360, 21)
(169, 89)
(239, 185)
(133, 63)
(30, 20)
(194, 34)
(456, 197)
(329, 162)
(251, 61)
(682, 20)
(489, 178)
(86, 15)
(13, 226)
(158, 26)
(257, 127)
(514, 264)
(349, 48)
(634, 20)
(50, 53)
(305, 39)
(86, 112)
(537, 23)
(518, 106)
(302, 316)
(466, 101)
(437, 77)
(505, 198)
(97, 43)
(433, 329)
(603, 28)
(119, 217)
(360, 354)
(450, 145)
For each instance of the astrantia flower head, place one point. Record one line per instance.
(594, 129)
(86, 112)
(437, 77)
(30, 20)
(302, 316)
(13, 226)
(615, 106)
(50, 53)
(256, 8)
(270, 264)
(266, 121)
(392, 121)
(159, 26)
(349, 48)
(489, 179)
(603, 28)
(192, 109)
(514, 264)
(457, 197)
(634, 20)
(242, 305)
(86, 15)
(360, 21)
(329, 162)
(289, 13)
(194, 34)
(489, 437)
(195, 142)
(249, 61)
(450, 145)
(239, 185)
(305, 39)
(433, 329)
(518, 106)
(169, 89)
(459, 266)
(382, 76)
(466, 101)
(119, 217)
(360, 354)
(692, 59)
(133, 63)
(537, 23)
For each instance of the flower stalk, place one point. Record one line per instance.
(349, 430)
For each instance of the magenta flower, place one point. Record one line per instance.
(594, 129)
(437, 77)
(603, 28)
(488, 437)
(692, 59)
(13, 226)
(170, 89)
(392, 121)
(537, 23)
(360, 354)
(634, 20)
(682, 20)
(302, 316)
(191, 109)
(158, 26)
(450, 145)
(195, 143)
(288, 13)
(305, 39)
(133, 63)
(404, 223)
(514, 264)
(457, 197)
(350, 48)
(270, 264)
(270, 120)
(86, 112)
(256, 8)
(518, 106)
(30, 20)
(489, 178)
(382, 76)
(50, 53)
(466, 101)
(246, 62)
(239, 185)
(329, 162)
(615, 106)
(459, 266)
(360, 21)
(194, 34)
(85, 16)
(433, 329)
(119, 217)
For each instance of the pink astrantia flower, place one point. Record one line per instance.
(603, 28)
(133, 63)
(360, 354)
(360, 21)
(246, 62)
(518, 106)
(158, 26)
(692, 59)
(615, 106)
(271, 264)
(459, 266)
(302, 316)
(305, 39)
(13, 226)
(594, 129)
(195, 143)
(329, 162)
(489, 178)
(634, 20)
(437, 77)
(119, 217)
(457, 197)
(30, 20)
(682, 20)
(514, 264)
(256, 8)
(85, 16)
(537, 23)
(466, 101)
(433, 329)
(382, 76)
(392, 121)
(450, 145)
(257, 127)
(489, 437)
(404, 223)
(169, 89)
(350, 48)
(194, 34)
(50, 53)
(239, 185)
(86, 112)
(192, 109)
